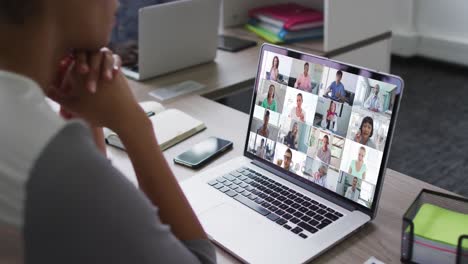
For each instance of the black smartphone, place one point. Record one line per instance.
(234, 44)
(203, 152)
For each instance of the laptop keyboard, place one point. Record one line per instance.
(294, 211)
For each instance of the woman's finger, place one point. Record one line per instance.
(66, 65)
(117, 62)
(82, 62)
(94, 73)
(107, 64)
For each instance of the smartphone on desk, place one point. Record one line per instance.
(203, 152)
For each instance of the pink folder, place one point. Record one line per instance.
(289, 16)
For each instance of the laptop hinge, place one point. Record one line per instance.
(348, 206)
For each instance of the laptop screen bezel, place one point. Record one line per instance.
(360, 71)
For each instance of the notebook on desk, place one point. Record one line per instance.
(171, 126)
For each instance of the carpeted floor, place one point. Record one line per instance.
(431, 136)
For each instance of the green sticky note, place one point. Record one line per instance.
(440, 225)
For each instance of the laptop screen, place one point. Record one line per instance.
(324, 124)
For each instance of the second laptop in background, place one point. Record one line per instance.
(175, 35)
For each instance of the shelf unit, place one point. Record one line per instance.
(356, 32)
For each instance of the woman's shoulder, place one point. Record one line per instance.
(24, 108)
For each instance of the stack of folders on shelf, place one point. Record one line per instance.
(436, 234)
(286, 23)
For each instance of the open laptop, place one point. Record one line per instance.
(313, 168)
(175, 35)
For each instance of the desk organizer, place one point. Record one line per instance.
(435, 229)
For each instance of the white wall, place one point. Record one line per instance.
(348, 22)
(443, 18)
(403, 16)
(431, 28)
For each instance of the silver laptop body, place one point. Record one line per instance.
(241, 224)
(174, 36)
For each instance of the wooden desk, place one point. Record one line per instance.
(381, 238)
(225, 75)
(232, 71)
(221, 121)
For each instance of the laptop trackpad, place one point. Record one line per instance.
(242, 231)
(229, 215)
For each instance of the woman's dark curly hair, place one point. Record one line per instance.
(16, 11)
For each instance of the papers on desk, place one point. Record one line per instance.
(373, 260)
(171, 126)
(176, 90)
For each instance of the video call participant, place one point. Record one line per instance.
(288, 160)
(263, 130)
(291, 138)
(337, 88)
(303, 82)
(297, 113)
(270, 101)
(352, 192)
(320, 176)
(366, 130)
(269, 152)
(373, 102)
(274, 72)
(357, 167)
(324, 153)
(331, 116)
(261, 149)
